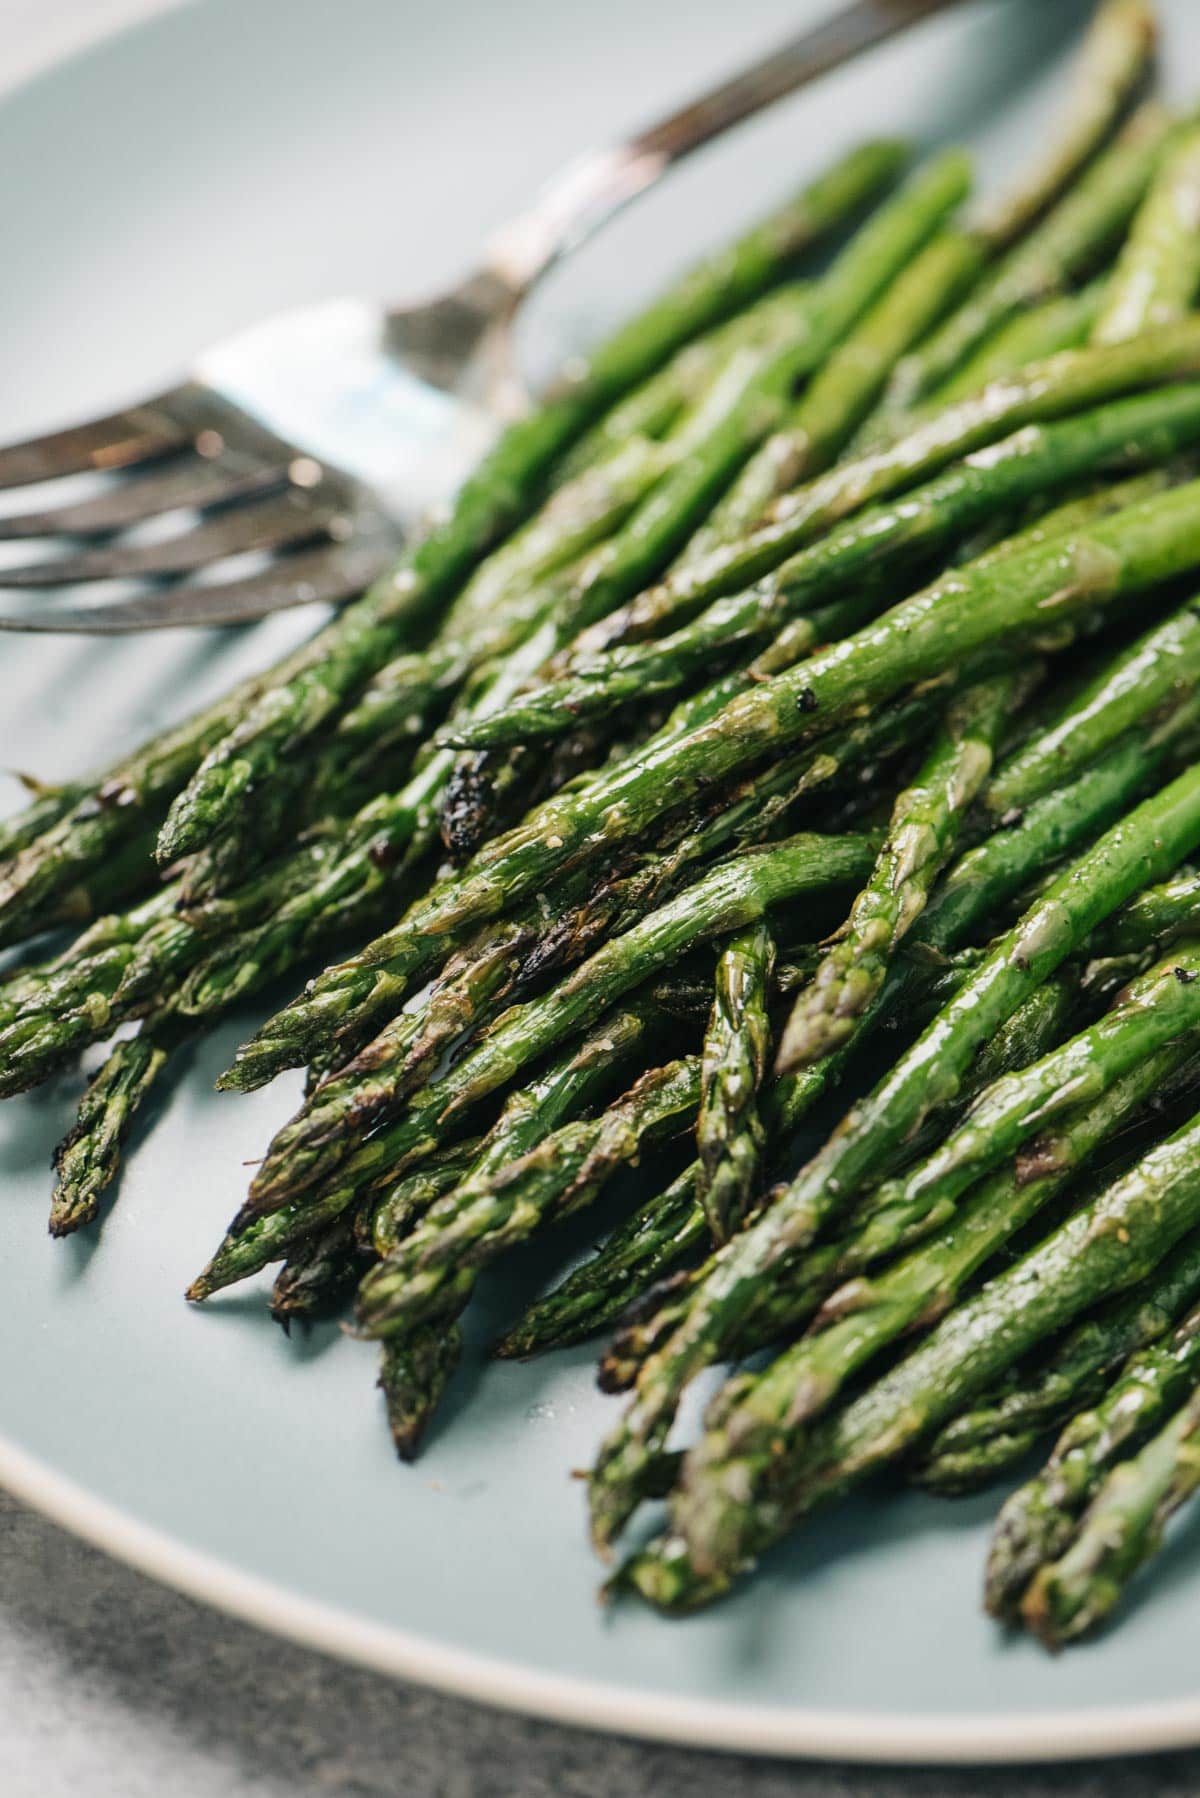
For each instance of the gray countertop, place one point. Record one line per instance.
(112, 1687)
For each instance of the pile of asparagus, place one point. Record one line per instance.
(793, 722)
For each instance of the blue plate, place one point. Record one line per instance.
(172, 184)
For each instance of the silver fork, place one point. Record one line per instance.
(288, 467)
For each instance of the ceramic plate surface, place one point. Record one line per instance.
(174, 183)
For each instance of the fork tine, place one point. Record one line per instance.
(195, 485)
(327, 575)
(272, 524)
(115, 441)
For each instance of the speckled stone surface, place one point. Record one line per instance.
(112, 1687)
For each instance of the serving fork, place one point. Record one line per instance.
(291, 463)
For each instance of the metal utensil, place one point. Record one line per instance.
(288, 467)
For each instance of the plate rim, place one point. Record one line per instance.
(571, 1701)
(766, 1730)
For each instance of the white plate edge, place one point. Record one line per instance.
(736, 1728)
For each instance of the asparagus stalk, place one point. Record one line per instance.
(804, 1279)
(751, 1417)
(1111, 65)
(1068, 243)
(1158, 271)
(490, 1213)
(747, 814)
(412, 1195)
(661, 1233)
(318, 1276)
(1154, 917)
(48, 802)
(1065, 322)
(752, 398)
(1160, 1007)
(414, 1372)
(87, 1159)
(844, 390)
(730, 1135)
(1128, 856)
(730, 896)
(322, 677)
(511, 594)
(1121, 1531)
(1161, 664)
(106, 815)
(654, 407)
(1030, 398)
(1137, 850)
(1106, 1247)
(571, 1083)
(925, 822)
(1036, 459)
(999, 1431)
(1038, 1522)
(835, 585)
(917, 639)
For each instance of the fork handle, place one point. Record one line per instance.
(591, 188)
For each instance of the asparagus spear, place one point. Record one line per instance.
(879, 253)
(917, 639)
(1037, 458)
(48, 802)
(414, 1372)
(349, 884)
(1125, 858)
(128, 966)
(1065, 322)
(925, 822)
(662, 1232)
(1155, 1009)
(803, 1279)
(322, 677)
(845, 385)
(560, 926)
(1072, 382)
(1068, 243)
(1008, 1420)
(754, 392)
(731, 895)
(318, 1276)
(653, 407)
(1108, 1246)
(754, 1413)
(489, 972)
(844, 390)
(835, 584)
(1038, 1522)
(572, 1082)
(730, 1135)
(1135, 851)
(1158, 271)
(412, 1195)
(1120, 1532)
(1111, 65)
(511, 593)
(1154, 917)
(113, 810)
(87, 1158)
(1162, 663)
(301, 888)
(491, 1212)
